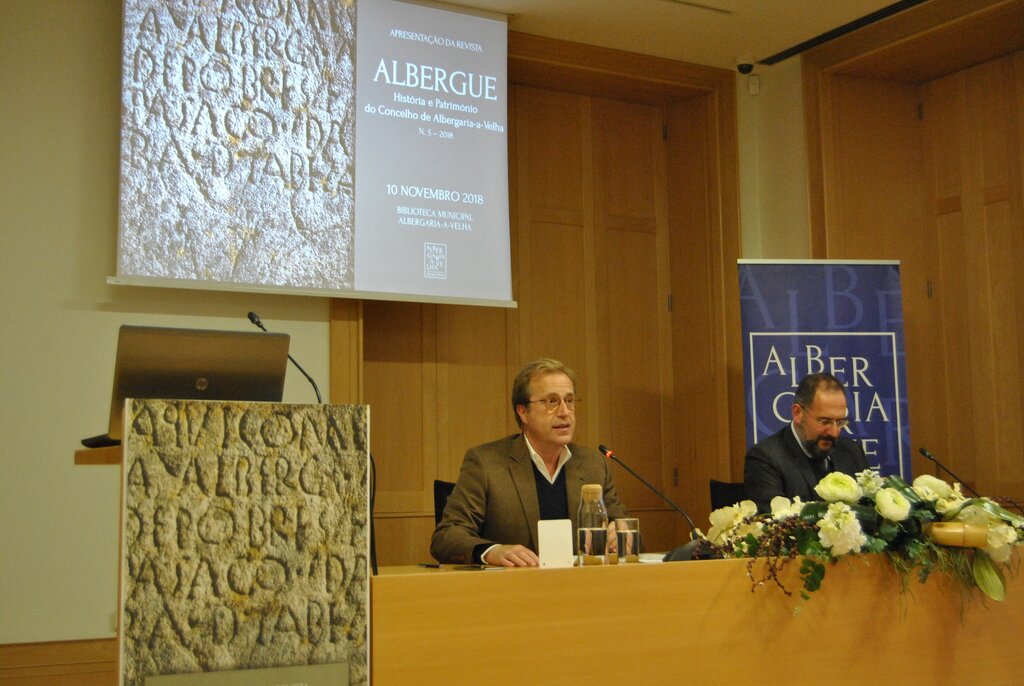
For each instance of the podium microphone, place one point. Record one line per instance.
(611, 456)
(941, 466)
(255, 319)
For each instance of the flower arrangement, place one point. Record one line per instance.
(924, 527)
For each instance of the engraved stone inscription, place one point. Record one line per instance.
(244, 537)
(237, 141)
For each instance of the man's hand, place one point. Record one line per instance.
(511, 556)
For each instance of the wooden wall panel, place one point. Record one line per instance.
(403, 537)
(84, 663)
(994, 204)
(708, 437)
(945, 104)
(975, 153)
(399, 388)
(346, 346)
(636, 371)
(474, 404)
(550, 125)
(954, 219)
(554, 234)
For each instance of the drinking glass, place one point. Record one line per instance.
(629, 543)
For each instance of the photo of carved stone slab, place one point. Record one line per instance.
(238, 143)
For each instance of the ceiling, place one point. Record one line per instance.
(710, 32)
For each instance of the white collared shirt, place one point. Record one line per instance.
(538, 462)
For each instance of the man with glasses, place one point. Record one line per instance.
(506, 486)
(792, 462)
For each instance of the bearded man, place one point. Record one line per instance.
(792, 462)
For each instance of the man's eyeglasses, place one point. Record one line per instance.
(553, 402)
(829, 422)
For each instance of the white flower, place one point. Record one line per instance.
(931, 488)
(972, 514)
(783, 508)
(891, 504)
(1001, 538)
(840, 531)
(838, 487)
(724, 521)
(870, 481)
(953, 501)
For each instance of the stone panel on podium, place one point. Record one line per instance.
(244, 537)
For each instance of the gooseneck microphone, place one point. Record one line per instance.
(943, 467)
(611, 456)
(255, 319)
(974, 492)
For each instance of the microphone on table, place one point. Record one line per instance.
(973, 492)
(945, 469)
(255, 319)
(686, 551)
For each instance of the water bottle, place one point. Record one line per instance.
(592, 534)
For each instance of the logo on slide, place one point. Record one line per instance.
(435, 260)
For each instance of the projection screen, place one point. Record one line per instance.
(315, 146)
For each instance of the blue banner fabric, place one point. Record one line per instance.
(845, 319)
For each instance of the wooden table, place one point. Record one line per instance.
(688, 622)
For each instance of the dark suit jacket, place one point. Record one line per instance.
(777, 466)
(495, 497)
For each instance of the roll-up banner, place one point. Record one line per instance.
(843, 318)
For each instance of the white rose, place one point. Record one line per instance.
(891, 504)
(839, 487)
(931, 488)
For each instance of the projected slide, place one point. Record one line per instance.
(315, 146)
(238, 142)
(431, 155)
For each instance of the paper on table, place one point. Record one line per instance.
(651, 558)
(554, 538)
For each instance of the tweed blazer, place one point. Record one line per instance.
(495, 497)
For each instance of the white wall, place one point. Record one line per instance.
(59, 112)
(773, 163)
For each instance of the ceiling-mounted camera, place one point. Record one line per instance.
(744, 65)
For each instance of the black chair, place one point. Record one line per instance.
(442, 489)
(725, 493)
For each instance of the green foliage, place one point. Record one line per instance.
(988, 576)
(779, 540)
(813, 573)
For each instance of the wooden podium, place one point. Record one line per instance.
(688, 622)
